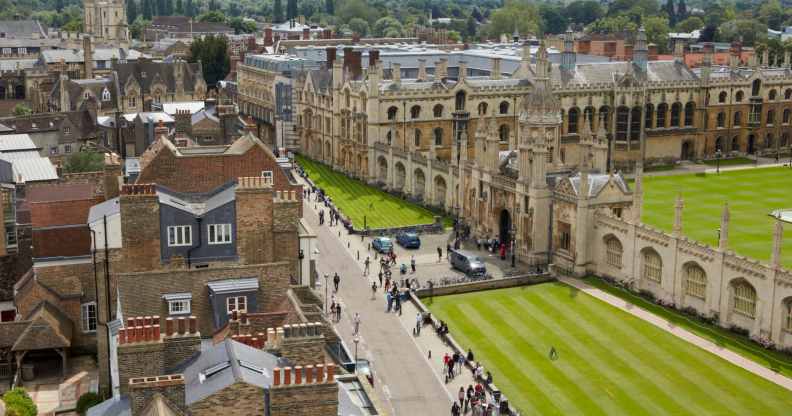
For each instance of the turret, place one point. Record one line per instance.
(568, 57)
(641, 51)
(723, 241)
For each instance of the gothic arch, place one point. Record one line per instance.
(651, 265)
(419, 183)
(382, 171)
(614, 251)
(440, 191)
(743, 297)
(400, 176)
(694, 280)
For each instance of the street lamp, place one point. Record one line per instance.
(718, 156)
(513, 245)
(326, 276)
(356, 340)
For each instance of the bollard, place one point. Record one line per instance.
(430, 354)
(339, 233)
(358, 254)
(348, 244)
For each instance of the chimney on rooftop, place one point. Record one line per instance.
(330, 52)
(306, 33)
(373, 58)
(355, 38)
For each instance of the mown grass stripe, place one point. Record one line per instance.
(579, 370)
(500, 365)
(655, 380)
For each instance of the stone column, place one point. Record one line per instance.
(678, 216)
(723, 243)
(778, 237)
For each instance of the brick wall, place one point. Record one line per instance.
(304, 391)
(141, 391)
(303, 350)
(140, 230)
(139, 360)
(254, 208)
(238, 399)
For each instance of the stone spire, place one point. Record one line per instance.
(600, 148)
(637, 206)
(723, 243)
(542, 65)
(568, 57)
(583, 192)
(678, 216)
(641, 51)
(422, 70)
(778, 238)
(586, 142)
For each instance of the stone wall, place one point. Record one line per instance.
(238, 399)
(491, 284)
(304, 391)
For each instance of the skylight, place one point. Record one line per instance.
(252, 367)
(213, 370)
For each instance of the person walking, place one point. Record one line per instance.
(412, 263)
(418, 323)
(439, 254)
(460, 363)
(461, 396)
(380, 277)
(455, 409)
(356, 323)
(366, 266)
(336, 281)
(338, 312)
(373, 290)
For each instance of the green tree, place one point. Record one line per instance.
(168, 7)
(241, 25)
(616, 24)
(160, 8)
(73, 25)
(771, 13)
(137, 27)
(584, 12)
(350, 9)
(690, 24)
(515, 14)
(291, 9)
(454, 36)
(470, 27)
(147, 9)
(387, 25)
(132, 12)
(749, 30)
(87, 401)
(84, 161)
(189, 9)
(179, 8)
(18, 403)
(212, 52)
(58, 5)
(330, 7)
(681, 13)
(22, 110)
(213, 5)
(671, 12)
(553, 21)
(212, 17)
(657, 29)
(359, 26)
(277, 12)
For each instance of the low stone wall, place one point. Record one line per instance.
(491, 284)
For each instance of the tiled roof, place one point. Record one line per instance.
(16, 142)
(60, 193)
(48, 327)
(22, 29)
(597, 182)
(147, 72)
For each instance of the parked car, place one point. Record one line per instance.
(382, 244)
(467, 262)
(408, 240)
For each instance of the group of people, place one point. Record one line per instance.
(493, 245)
(334, 217)
(392, 297)
(453, 364)
(473, 399)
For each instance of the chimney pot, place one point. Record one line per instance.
(156, 333)
(309, 370)
(320, 373)
(130, 322)
(147, 320)
(298, 374)
(181, 326)
(193, 325)
(155, 320)
(276, 376)
(287, 376)
(168, 327)
(330, 373)
(139, 321)
(146, 333)
(140, 333)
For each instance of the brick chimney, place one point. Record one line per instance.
(140, 227)
(327, 34)
(183, 122)
(268, 36)
(330, 52)
(373, 57)
(88, 56)
(306, 34)
(356, 38)
(311, 389)
(160, 131)
(143, 389)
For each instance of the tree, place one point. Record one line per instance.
(669, 9)
(350, 9)
(58, 5)
(73, 25)
(553, 21)
(470, 27)
(137, 27)
(179, 8)
(690, 24)
(330, 7)
(515, 14)
(359, 26)
(277, 12)
(212, 51)
(682, 12)
(612, 25)
(657, 29)
(212, 17)
(241, 25)
(84, 161)
(189, 9)
(291, 9)
(749, 30)
(168, 7)
(160, 8)
(387, 25)
(22, 110)
(212, 5)
(584, 12)
(132, 12)
(771, 13)
(18, 403)
(87, 401)
(476, 14)
(147, 9)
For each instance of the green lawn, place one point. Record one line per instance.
(609, 362)
(774, 360)
(357, 199)
(752, 194)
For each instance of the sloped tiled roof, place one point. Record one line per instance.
(48, 327)
(146, 72)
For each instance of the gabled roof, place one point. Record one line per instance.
(107, 208)
(146, 73)
(48, 327)
(197, 204)
(224, 364)
(16, 142)
(158, 405)
(597, 183)
(234, 285)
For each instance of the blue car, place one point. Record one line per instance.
(408, 240)
(382, 244)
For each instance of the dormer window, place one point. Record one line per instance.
(106, 95)
(219, 233)
(179, 235)
(178, 303)
(267, 175)
(236, 303)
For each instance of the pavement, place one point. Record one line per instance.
(686, 335)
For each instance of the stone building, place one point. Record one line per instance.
(532, 159)
(106, 20)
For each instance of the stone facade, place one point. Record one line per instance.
(106, 20)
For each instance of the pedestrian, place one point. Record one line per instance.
(412, 263)
(336, 281)
(418, 323)
(389, 299)
(470, 356)
(503, 251)
(332, 310)
(373, 290)
(460, 363)
(461, 396)
(356, 323)
(469, 396)
(455, 409)
(380, 277)
(387, 284)
(439, 254)
(338, 312)
(366, 268)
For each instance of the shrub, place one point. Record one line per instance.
(87, 401)
(18, 403)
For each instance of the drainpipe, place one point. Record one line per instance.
(189, 252)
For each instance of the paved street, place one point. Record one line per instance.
(404, 378)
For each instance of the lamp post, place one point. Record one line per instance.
(513, 245)
(356, 340)
(326, 276)
(718, 156)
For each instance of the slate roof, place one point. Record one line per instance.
(112, 407)
(204, 114)
(78, 87)
(146, 72)
(197, 203)
(234, 285)
(6, 172)
(52, 56)
(22, 29)
(160, 406)
(16, 142)
(244, 364)
(610, 72)
(14, 64)
(192, 106)
(109, 208)
(81, 123)
(182, 24)
(32, 169)
(597, 182)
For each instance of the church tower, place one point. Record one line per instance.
(106, 21)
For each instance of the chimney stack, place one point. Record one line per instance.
(396, 73)
(496, 68)
(330, 52)
(373, 58)
(268, 36)
(422, 69)
(441, 70)
(462, 71)
(306, 33)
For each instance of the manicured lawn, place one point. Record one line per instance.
(752, 194)
(357, 199)
(730, 162)
(776, 361)
(609, 362)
